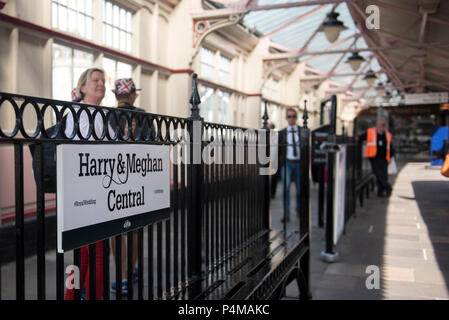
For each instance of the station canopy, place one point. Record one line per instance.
(406, 52)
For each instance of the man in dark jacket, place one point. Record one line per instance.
(126, 94)
(289, 155)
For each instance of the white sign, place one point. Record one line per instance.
(426, 98)
(339, 192)
(105, 190)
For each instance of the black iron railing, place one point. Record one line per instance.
(215, 209)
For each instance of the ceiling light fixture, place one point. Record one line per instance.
(380, 89)
(332, 26)
(355, 61)
(370, 77)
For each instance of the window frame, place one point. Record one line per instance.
(107, 25)
(223, 115)
(72, 66)
(228, 72)
(115, 77)
(208, 64)
(206, 110)
(55, 17)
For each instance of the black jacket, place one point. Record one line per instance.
(122, 108)
(282, 145)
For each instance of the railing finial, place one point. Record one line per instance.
(195, 99)
(305, 114)
(265, 116)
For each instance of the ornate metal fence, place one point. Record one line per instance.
(216, 209)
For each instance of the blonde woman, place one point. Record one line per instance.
(90, 90)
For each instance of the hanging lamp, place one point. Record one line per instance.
(332, 26)
(355, 61)
(370, 77)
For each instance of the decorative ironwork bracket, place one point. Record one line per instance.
(270, 65)
(205, 25)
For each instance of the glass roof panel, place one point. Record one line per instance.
(297, 34)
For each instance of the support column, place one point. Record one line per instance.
(253, 109)
(154, 108)
(46, 13)
(137, 77)
(154, 33)
(48, 68)
(216, 66)
(13, 75)
(13, 60)
(137, 39)
(97, 35)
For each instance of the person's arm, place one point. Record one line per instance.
(362, 137)
(281, 148)
(391, 150)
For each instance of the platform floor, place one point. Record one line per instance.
(406, 236)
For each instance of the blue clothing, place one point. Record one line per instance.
(292, 175)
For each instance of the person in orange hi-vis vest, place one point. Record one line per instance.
(379, 151)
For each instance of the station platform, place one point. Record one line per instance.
(406, 236)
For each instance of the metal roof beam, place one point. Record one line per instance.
(407, 61)
(328, 49)
(439, 85)
(438, 72)
(295, 54)
(197, 10)
(422, 29)
(396, 88)
(337, 75)
(438, 54)
(403, 34)
(406, 11)
(363, 94)
(314, 54)
(332, 70)
(306, 45)
(354, 74)
(351, 85)
(428, 69)
(380, 55)
(277, 46)
(295, 20)
(426, 46)
(296, 4)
